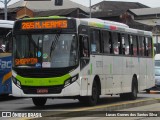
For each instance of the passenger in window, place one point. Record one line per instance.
(2, 48)
(127, 50)
(85, 53)
(116, 49)
(115, 43)
(107, 42)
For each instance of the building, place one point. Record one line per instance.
(71, 12)
(22, 9)
(112, 10)
(151, 17)
(47, 5)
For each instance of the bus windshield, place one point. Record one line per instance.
(157, 63)
(45, 50)
(157, 71)
(3, 39)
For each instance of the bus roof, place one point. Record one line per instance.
(112, 26)
(6, 24)
(104, 22)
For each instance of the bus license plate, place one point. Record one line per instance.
(42, 91)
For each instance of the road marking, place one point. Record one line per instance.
(114, 105)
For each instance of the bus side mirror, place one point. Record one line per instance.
(8, 43)
(9, 34)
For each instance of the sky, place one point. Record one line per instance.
(150, 3)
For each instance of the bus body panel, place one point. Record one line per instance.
(5, 73)
(127, 74)
(108, 72)
(115, 72)
(5, 58)
(69, 91)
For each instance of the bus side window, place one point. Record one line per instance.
(2, 44)
(84, 51)
(95, 41)
(120, 47)
(145, 47)
(84, 46)
(107, 42)
(149, 48)
(125, 44)
(141, 46)
(116, 43)
(134, 45)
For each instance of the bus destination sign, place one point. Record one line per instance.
(45, 24)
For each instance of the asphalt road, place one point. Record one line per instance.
(25, 104)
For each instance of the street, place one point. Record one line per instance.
(55, 106)
(25, 104)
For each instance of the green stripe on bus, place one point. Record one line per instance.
(100, 25)
(37, 18)
(43, 81)
(110, 68)
(91, 69)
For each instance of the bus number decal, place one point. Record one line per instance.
(44, 24)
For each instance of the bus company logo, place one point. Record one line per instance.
(6, 114)
(5, 64)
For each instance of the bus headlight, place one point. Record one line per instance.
(71, 80)
(19, 84)
(74, 78)
(67, 82)
(16, 82)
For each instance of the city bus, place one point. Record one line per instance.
(5, 57)
(63, 57)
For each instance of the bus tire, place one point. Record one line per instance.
(93, 99)
(147, 90)
(5, 95)
(134, 91)
(39, 101)
(124, 96)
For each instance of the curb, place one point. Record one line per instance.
(101, 109)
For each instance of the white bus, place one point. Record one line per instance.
(80, 58)
(5, 57)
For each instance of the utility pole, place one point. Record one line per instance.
(90, 13)
(5, 2)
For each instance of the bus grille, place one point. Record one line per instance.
(51, 90)
(42, 73)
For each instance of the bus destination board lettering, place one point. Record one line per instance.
(25, 61)
(48, 24)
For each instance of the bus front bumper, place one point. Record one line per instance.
(71, 90)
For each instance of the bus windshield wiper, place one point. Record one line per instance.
(54, 43)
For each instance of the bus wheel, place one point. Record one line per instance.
(133, 94)
(5, 95)
(147, 91)
(39, 101)
(124, 96)
(91, 100)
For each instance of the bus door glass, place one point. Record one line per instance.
(84, 50)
